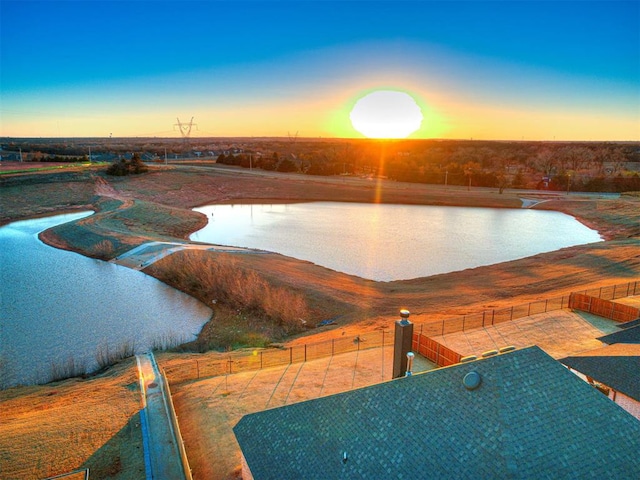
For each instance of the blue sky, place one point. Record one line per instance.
(495, 70)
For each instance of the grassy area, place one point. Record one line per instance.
(250, 309)
(122, 225)
(92, 423)
(28, 168)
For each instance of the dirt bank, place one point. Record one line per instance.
(156, 206)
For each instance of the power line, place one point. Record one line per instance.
(185, 128)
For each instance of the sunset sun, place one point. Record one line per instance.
(386, 114)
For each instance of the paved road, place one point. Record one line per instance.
(161, 450)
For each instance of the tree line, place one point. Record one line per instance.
(597, 166)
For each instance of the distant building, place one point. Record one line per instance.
(513, 415)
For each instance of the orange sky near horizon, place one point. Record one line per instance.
(477, 70)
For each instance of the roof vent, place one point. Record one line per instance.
(489, 353)
(468, 358)
(472, 380)
(410, 356)
(510, 348)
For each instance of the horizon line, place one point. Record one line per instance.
(270, 137)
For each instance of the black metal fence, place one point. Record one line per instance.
(488, 318)
(255, 359)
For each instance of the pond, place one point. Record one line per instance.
(392, 242)
(59, 307)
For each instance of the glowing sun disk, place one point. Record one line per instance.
(386, 114)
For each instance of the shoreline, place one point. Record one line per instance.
(157, 206)
(98, 415)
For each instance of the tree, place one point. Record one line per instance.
(136, 165)
(503, 182)
(127, 167)
(287, 165)
(518, 180)
(544, 162)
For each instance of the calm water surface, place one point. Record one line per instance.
(57, 305)
(393, 242)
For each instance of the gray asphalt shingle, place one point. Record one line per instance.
(529, 418)
(628, 335)
(617, 366)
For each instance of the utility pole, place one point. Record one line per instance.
(185, 129)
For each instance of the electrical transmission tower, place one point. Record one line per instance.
(185, 129)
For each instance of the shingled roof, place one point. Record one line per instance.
(628, 335)
(527, 417)
(617, 366)
(632, 323)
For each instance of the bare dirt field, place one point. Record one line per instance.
(38, 423)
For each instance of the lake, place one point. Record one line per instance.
(58, 305)
(392, 242)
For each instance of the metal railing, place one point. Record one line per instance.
(256, 359)
(176, 427)
(488, 318)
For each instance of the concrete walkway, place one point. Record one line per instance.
(559, 333)
(161, 451)
(144, 255)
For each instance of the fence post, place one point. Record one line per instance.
(333, 342)
(529, 310)
(463, 319)
(197, 370)
(493, 316)
(290, 355)
(614, 292)
(511, 314)
(261, 352)
(305, 353)
(483, 312)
